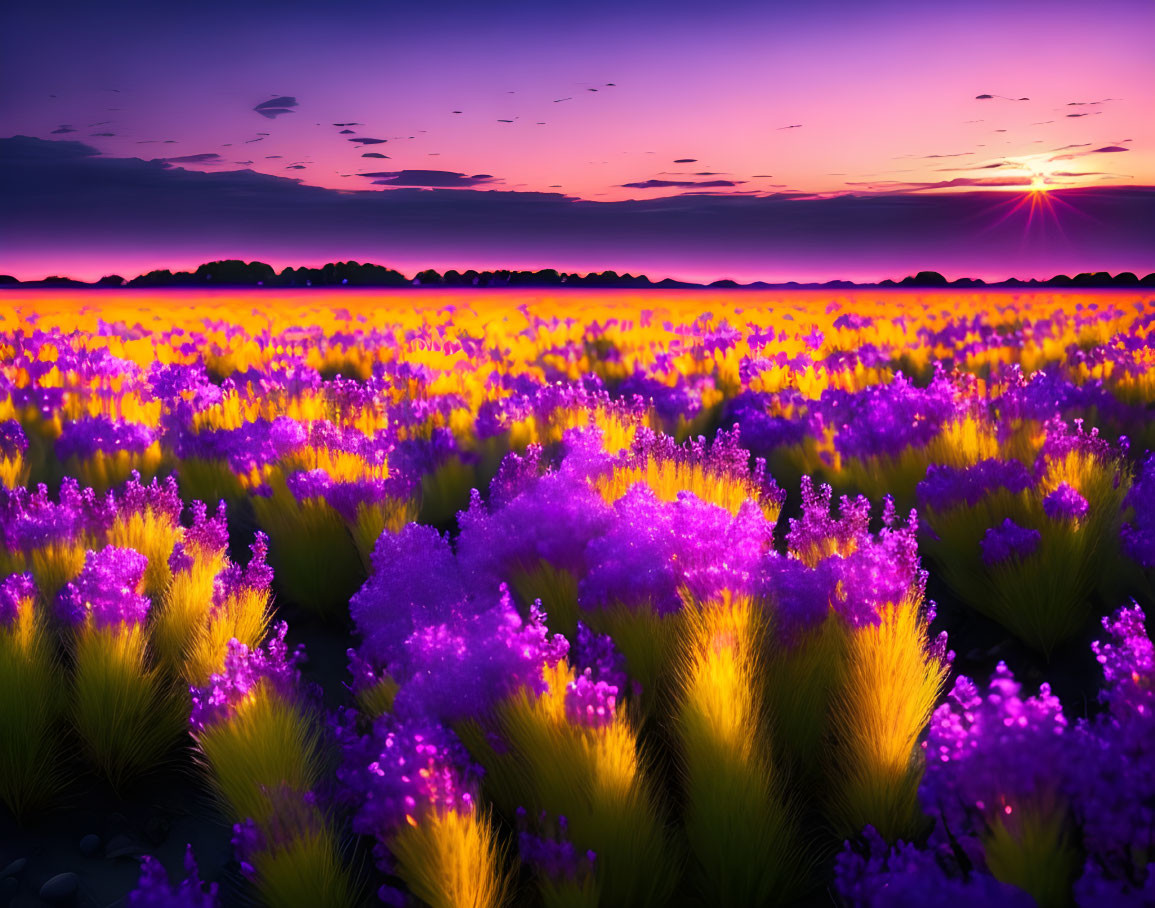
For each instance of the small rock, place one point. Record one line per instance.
(15, 869)
(90, 845)
(61, 889)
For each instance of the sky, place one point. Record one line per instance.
(749, 140)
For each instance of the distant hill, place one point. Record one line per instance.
(234, 273)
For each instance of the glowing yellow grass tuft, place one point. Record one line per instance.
(451, 859)
(31, 709)
(445, 491)
(740, 829)
(266, 745)
(183, 612)
(55, 564)
(105, 470)
(153, 535)
(313, 555)
(889, 690)
(243, 615)
(299, 864)
(594, 777)
(127, 716)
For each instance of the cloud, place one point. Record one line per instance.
(363, 141)
(686, 161)
(375, 154)
(129, 212)
(957, 183)
(1106, 149)
(210, 157)
(439, 179)
(276, 107)
(670, 184)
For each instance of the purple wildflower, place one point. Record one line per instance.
(155, 891)
(947, 487)
(86, 437)
(550, 850)
(1138, 534)
(13, 441)
(993, 754)
(415, 583)
(15, 591)
(459, 669)
(904, 876)
(107, 589)
(1009, 540)
(655, 550)
(400, 770)
(256, 576)
(244, 670)
(1065, 503)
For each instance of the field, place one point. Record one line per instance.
(577, 598)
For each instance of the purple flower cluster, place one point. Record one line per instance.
(885, 419)
(1138, 534)
(947, 487)
(459, 669)
(553, 519)
(30, 519)
(817, 532)
(248, 447)
(655, 549)
(256, 576)
(87, 437)
(155, 891)
(1065, 504)
(400, 770)
(1115, 789)
(1009, 540)
(836, 563)
(107, 589)
(15, 591)
(995, 754)
(161, 499)
(415, 583)
(244, 669)
(1061, 441)
(346, 498)
(13, 441)
(877, 875)
(551, 852)
(590, 702)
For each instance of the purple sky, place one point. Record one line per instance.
(752, 140)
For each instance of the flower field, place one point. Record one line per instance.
(586, 598)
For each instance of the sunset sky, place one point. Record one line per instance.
(824, 136)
